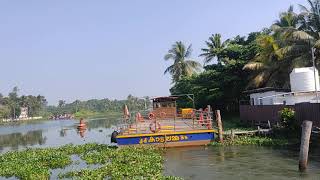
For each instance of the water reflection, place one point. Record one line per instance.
(54, 133)
(101, 123)
(14, 140)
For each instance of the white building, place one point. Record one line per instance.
(23, 113)
(303, 89)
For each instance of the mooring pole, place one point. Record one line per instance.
(304, 147)
(232, 135)
(219, 123)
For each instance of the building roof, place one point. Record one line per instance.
(266, 89)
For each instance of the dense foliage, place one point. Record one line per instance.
(261, 59)
(10, 105)
(221, 84)
(114, 163)
(84, 108)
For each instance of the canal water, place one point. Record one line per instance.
(237, 162)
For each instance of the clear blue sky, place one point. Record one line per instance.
(80, 49)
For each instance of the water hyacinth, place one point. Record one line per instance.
(114, 163)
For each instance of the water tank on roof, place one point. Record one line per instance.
(302, 79)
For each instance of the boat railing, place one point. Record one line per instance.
(140, 122)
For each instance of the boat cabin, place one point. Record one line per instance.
(164, 107)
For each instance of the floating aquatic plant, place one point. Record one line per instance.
(115, 163)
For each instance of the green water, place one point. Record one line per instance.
(239, 162)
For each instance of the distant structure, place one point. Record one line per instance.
(304, 84)
(24, 113)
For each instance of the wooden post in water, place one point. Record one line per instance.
(219, 123)
(232, 135)
(304, 147)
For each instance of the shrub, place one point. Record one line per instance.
(287, 119)
(289, 126)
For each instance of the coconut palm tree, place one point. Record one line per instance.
(287, 19)
(214, 49)
(287, 47)
(309, 19)
(272, 65)
(182, 64)
(265, 68)
(303, 35)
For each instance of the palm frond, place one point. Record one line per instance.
(169, 56)
(169, 70)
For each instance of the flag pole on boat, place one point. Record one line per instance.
(126, 113)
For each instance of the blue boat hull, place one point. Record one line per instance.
(168, 140)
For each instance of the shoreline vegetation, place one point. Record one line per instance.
(15, 107)
(253, 140)
(286, 133)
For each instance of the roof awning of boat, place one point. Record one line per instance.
(165, 98)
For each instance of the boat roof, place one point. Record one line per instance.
(170, 98)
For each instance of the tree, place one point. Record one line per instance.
(288, 46)
(182, 64)
(287, 19)
(4, 112)
(214, 49)
(61, 103)
(1, 99)
(266, 63)
(220, 85)
(13, 102)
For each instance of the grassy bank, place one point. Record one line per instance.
(252, 140)
(114, 163)
(233, 123)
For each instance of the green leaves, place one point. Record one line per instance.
(115, 163)
(32, 164)
(252, 140)
(182, 65)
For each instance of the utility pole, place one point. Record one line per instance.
(314, 73)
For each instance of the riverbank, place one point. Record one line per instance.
(97, 161)
(86, 115)
(233, 123)
(253, 140)
(93, 115)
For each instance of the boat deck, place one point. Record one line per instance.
(166, 126)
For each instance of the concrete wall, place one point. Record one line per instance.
(266, 101)
(300, 98)
(288, 99)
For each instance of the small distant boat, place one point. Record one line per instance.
(82, 127)
(163, 126)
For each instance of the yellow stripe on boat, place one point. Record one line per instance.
(166, 130)
(167, 127)
(169, 133)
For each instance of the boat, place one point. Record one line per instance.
(164, 126)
